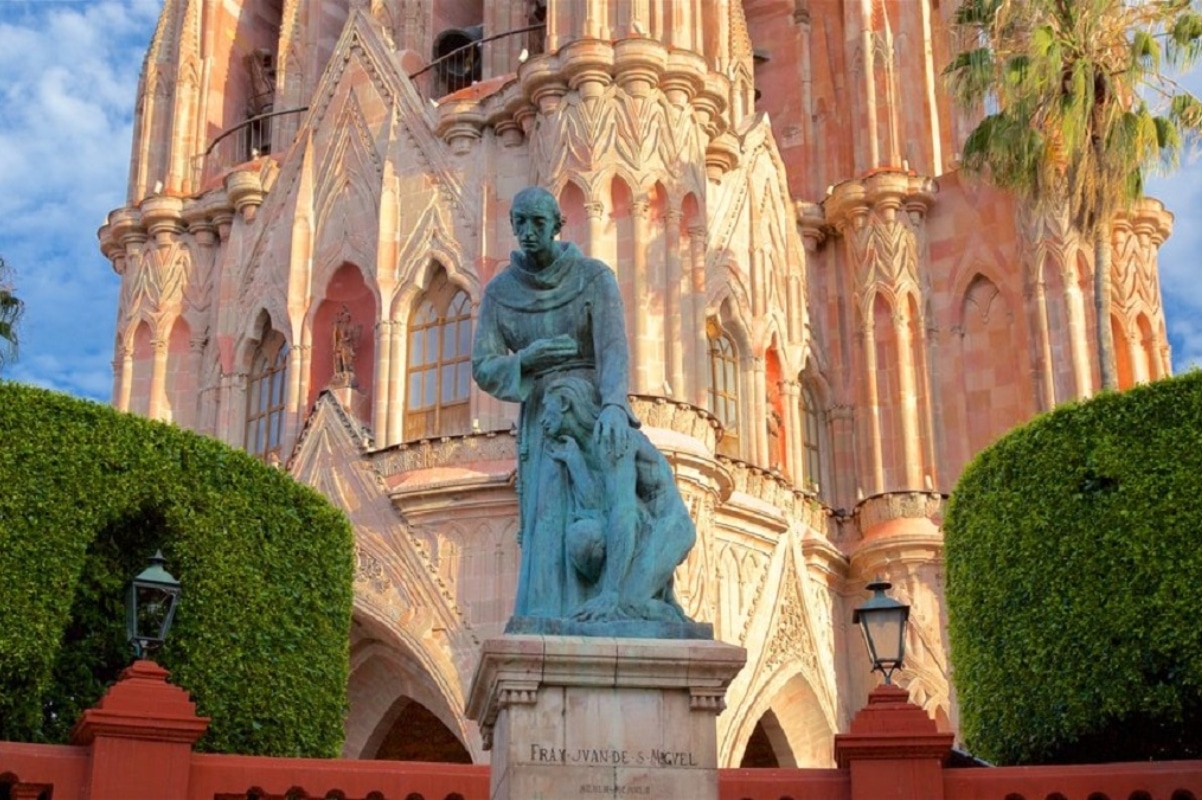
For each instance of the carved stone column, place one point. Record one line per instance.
(1078, 340)
(126, 378)
(294, 404)
(795, 442)
(755, 412)
(394, 425)
(640, 213)
(158, 379)
(696, 334)
(907, 378)
(673, 328)
(196, 350)
(381, 408)
(881, 218)
(595, 211)
(1044, 368)
(876, 459)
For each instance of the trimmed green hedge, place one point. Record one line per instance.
(261, 636)
(1074, 583)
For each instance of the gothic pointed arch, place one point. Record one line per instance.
(572, 202)
(141, 343)
(1055, 320)
(1123, 367)
(266, 362)
(815, 434)
(784, 675)
(430, 245)
(724, 379)
(181, 378)
(400, 711)
(342, 327)
(993, 391)
(438, 361)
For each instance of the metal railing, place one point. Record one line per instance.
(456, 69)
(464, 65)
(238, 144)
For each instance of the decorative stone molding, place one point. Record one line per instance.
(721, 156)
(885, 192)
(517, 670)
(683, 77)
(163, 216)
(369, 570)
(543, 82)
(879, 509)
(711, 103)
(588, 66)
(125, 226)
(709, 700)
(811, 222)
(460, 124)
(775, 490)
(445, 451)
(678, 416)
(245, 191)
(638, 65)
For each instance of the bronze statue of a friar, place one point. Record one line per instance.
(602, 524)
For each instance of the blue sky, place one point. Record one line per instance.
(68, 78)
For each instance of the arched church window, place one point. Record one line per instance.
(439, 363)
(724, 384)
(812, 439)
(265, 391)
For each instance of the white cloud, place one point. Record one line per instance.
(70, 76)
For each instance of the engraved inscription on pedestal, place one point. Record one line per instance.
(595, 717)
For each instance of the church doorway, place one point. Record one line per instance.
(418, 735)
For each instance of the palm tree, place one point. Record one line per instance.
(1080, 104)
(10, 311)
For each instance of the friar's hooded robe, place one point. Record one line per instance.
(574, 296)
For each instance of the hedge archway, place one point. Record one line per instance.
(261, 636)
(1074, 561)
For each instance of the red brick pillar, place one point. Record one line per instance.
(893, 751)
(141, 733)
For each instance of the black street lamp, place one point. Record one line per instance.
(150, 606)
(883, 621)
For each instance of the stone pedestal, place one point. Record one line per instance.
(585, 718)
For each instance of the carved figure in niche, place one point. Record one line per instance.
(554, 314)
(345, 337)
(776, 426)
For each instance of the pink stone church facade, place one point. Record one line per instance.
(826, 319)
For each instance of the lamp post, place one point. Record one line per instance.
(883, 621)
(893, 748)
(150, 606)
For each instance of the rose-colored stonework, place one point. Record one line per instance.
(826, 320)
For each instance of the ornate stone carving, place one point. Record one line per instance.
(369, 571)
(882, 508)
(446, 451)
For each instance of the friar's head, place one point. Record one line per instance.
(536, 221)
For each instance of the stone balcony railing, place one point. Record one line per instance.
(776, 490)
(462, 450)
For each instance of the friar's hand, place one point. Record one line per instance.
(543, 353)
(611, 434)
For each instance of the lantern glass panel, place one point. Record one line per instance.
(884, 632)
(150, 606)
